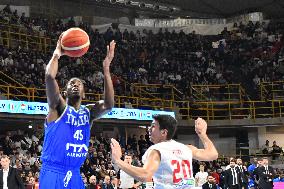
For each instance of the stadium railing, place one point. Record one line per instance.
(211, 110)
(273, 90)
(15, 35)
(229, 92)
(158, 91)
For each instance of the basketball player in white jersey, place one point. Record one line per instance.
(167, 162)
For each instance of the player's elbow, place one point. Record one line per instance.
(214, 156)
(109, 106)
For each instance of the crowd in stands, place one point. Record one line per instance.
(247, 54)
(273, 150)
(24, 150)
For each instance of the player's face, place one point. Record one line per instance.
(155, 132)
(75, 88)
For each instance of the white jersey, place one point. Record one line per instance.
(175, 170)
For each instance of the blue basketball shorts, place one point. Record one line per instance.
(58, 177)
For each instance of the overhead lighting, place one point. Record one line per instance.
(30, 126)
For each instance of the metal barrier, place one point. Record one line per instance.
(211, 110)
(15, 35)
(157, 91)
(229, 92)
(272, 90)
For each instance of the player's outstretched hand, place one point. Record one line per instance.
(200, 126)
(110, 54)
(115, 151)
(59, 51)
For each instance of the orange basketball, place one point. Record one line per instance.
(75, 42)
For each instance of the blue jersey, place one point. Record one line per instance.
(251, 168)
(66, 139)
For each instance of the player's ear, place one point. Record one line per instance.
(165, 132)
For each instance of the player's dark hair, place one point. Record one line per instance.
(167, 122)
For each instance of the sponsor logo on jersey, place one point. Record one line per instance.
(76, 150)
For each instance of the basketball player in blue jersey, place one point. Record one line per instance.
(68, 124)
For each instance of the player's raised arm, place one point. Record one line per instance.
(209, 153)
(104, 106)
(54, 98)
(143, 174)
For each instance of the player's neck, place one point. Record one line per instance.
(74, 103)
(164, 140)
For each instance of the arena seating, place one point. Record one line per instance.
(180, 64)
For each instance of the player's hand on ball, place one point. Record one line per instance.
(110, 54)
(200, 126)
(115, 150)
(59, 51)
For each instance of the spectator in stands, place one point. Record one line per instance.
(143, 145)
(126, 181)
(266, 175)
(7, 9)
(210, 184)
(93, 183)
(201, 176)
(265, 147)
(244, 173)
(233, 176)
(276, 150)
(106, 184)
(10, 177)
(114, 183)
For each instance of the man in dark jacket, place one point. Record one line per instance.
(9, 176)
(233, 176)
(265, 175)
(210, 184)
